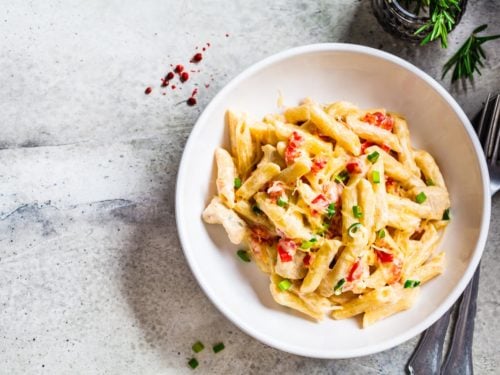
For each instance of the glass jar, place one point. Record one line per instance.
(401, 22)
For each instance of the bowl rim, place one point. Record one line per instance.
(478, 249)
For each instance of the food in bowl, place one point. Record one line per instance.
(335, 205)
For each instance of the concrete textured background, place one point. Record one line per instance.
(92, 276)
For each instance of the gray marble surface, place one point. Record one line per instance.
(92, 276)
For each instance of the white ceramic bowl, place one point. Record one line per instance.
(368, 78)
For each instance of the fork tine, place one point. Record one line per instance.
(488, 142)
(481, 126)
(495, 140)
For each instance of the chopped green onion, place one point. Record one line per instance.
(243, 255)
(353, 229)
(218, 347)
(421, 197)
(237, 183)
(330, 211)
(381, 233)
(308, 244)
(256, 209)
(193, 363)
(198, 347)
(281, 202)
(339, 285)
(446, 214)
(411, 283)
(284, 284)
(429, 182)
(356, 211)
(342, 176)
(376, 177)
(373, 157)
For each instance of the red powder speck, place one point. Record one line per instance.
(148, 90)
(208, 44)
(178, 68)
(169, 76)
(184, 76)
(207, 85)
(164, 93)
(191, 101)
(173, 87)
(204, 49)
(195, 91)
(227, 35)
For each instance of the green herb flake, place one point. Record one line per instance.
(421, 197)
(373, 157)
(381, 233)
(356, 211)
(237, 183)
(256, 209)
(411, 284)
(342, 176)
(193, 363)
(429, 182)
(198, 347)
(243, 255)
(308, 244)
(446, 214)
(284, 285)
(330, 211)
(338, 286)
(281, 202)
(218, 347)
(376, 177)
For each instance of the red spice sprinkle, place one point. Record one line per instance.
(184, 76)
(164, 82)
(195, 91)
(191, 101)
(173, 87)
(197, 57)
(178, 68)
(207, 85)
(208, 44)
(148, 90)
(169, 76)
(203, 49)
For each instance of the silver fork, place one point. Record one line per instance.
(426, 359)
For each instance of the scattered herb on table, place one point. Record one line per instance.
(218, 347)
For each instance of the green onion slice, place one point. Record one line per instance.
(446, 214)
(381, 233)
(198, 347)
(281, 202)
(243, 255)
(308, 244)
(373, 157)
(284, 285)
(411, 283)
(376, 177)
(339, 285)
(356, 211)
(421, 197)
(353, 229)
(429, 182)
(342, 176)
(193, 363)
(218, 347)
(237, 183)
(330, 211)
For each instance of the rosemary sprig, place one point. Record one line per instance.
(468, 58)
(420, 5)
(441, 21)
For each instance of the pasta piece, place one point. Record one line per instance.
(332, 128)
(407, 206)
(295, 171)
(429, 168)
(271, 155)
(217, 213)
(296, 115)
(340, 110)
(294, 269)
(244, 209)
(373, 133)
(347, 258)
(402, 220)
(264, 133)
(396, 170)
(407, 299)
(406, 153)
(257, 180)
(312, 144)
(380, 198)
(226, 173)
(319, 266)
(289, 299)
(431, 269)
(437, 200)
(286, 220)
(353, 232)
(366, 302)
(426, 246)
(366, 198)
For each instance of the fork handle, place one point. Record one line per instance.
(459, 359)
(426, 359)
